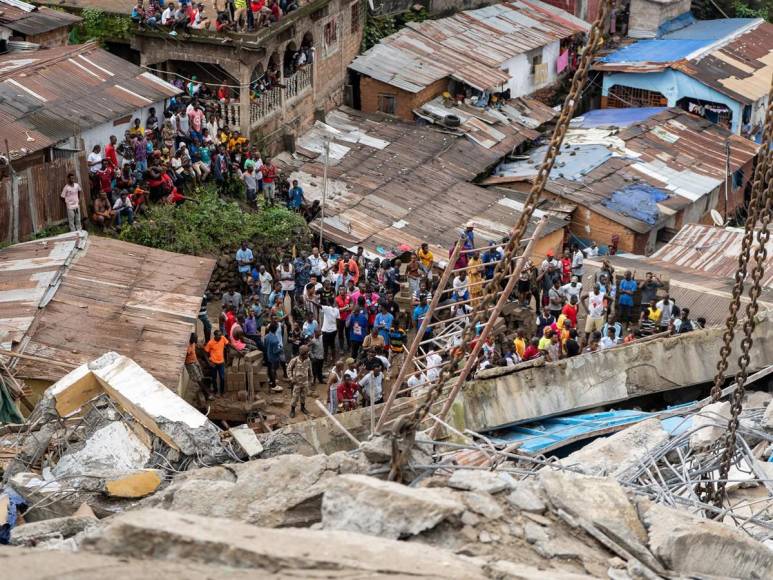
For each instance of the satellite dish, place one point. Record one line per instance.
(717, 218)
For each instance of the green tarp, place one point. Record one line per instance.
(8, 411)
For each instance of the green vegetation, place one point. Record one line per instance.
(213, 223)
(97, 25)
(708, 9)
(378, 27)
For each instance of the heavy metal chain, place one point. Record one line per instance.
(760, 255)
(403, 432)
(758, 186)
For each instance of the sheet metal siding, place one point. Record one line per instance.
(469, 46)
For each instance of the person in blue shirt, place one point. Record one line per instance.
(358, 329)
(295, 196)
(244, 260)
(489, 256)
(419, 312)
(383, 322)
(273, 355)
(628, 288)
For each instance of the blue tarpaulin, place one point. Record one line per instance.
(615, 117)
(638, 201)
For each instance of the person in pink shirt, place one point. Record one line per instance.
(71, 196)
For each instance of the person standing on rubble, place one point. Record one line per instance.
(215, 349)
(301, 378)
(193, 367)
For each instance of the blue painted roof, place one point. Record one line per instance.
(710, 29)
(655, 50)
(615, 117)
(679, 44)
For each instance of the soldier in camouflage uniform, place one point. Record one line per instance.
(301, 378)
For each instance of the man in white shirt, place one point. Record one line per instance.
(591, 251)
(167, 16)
(94, 160)
(666, 307)
(609, 340)
(71, 196)
(578, 268)
(594, 306)
(574, 288)
(266, 283)
(330, 316)
(372, 386)
(123, 209)
(316, 263)
(461, 286)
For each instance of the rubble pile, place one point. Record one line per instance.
(144, 485)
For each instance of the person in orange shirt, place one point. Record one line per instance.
(520, 343)
(354, 269)
(215, 349)
(192, 363)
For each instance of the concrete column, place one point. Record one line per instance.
(245, 74)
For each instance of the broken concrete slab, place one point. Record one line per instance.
(134, 485)
(159, 410)
(694, 547)
(480, 480)
(607, 377)
(600, 501)
(617, 453)
(246, 441)
(50, 497)
(518, 571)
(709, 424)
(37, 533)
(281, 491)
(482, 504)
(367, 505)
(110, 450)
(756, 399)
(526, 497)
(164, 535)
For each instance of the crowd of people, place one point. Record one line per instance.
(229, 15)
(165, 159)
(334, 317)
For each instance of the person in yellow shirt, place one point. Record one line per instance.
(544, 342)
(519, 343)
(425, 257)
(215, 349)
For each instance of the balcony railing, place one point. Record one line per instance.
(268, 102)
(295, 84)
(229, 112)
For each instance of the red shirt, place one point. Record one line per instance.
(269, 173)
(106, 179)
(230, 320)
(571, 313)
(344, 392)
(342, 302)
(566, 270)
(111, 155)
(530, 352)
(354, 268)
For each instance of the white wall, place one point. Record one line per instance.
(519, 68)
(100, 135)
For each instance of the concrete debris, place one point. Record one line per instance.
(281, 491)
(756, 399)
(525, 497)
(480, 480)
(709, 424)
(246, 440)
(767, 418)
(49, 533)
(482, 504)
(164, 535)
(617, 453)
(696, 547)
(370, 506)
(110, 450)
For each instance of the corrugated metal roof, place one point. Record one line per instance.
(710, 250)
(35, 21)
(469, 46)
(62, 91)
(399, 183)
(73, 300)
(733, 56)
(669, 149)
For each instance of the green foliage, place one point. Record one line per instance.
(744, 10)
(212, 224)
(97, 25)
(378, 27)
(51, 231)
(710, 9)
